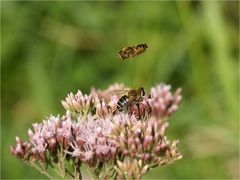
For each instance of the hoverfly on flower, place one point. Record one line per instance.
(128, 97)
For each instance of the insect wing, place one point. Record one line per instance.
(118, 92)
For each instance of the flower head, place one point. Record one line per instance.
(92, 138)
(162, 101)
(64, 131)
(93, 132)
(37, 138)
(79, 103)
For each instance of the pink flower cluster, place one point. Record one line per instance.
(47, 136)
(85, 139)
(162, 101)
(143, 141)
(120, 145)
(91, 144)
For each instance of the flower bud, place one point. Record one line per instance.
(18, 140)
(149, 130)
(19, 150)
(52, 143)
(145, 169)
(12, 150)
(130, 141)
(65, 105)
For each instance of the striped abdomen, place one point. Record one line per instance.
(122, 102)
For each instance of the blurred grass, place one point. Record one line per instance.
(51, 48)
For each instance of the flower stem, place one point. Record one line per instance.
(69, 173)
(77, 171)
(91, 173)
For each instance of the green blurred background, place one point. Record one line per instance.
(52, 48)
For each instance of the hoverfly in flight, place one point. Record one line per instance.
(132, 51)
